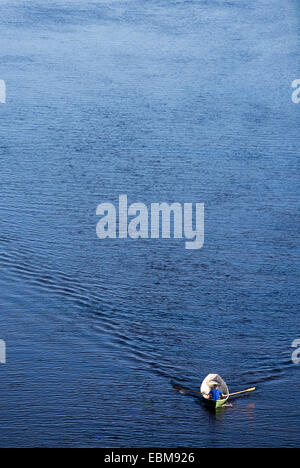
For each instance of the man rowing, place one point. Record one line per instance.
(215, 394)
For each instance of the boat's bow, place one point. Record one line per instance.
(207, 385)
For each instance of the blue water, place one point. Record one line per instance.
(162, 100)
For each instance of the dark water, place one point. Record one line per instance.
(163, 100)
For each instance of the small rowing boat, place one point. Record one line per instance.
(208, 384)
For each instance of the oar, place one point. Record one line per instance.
(200, 393)
(186, 389)
(243, 391)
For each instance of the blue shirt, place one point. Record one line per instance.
(215, 394)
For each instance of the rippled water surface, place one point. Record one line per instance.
(164, 100)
